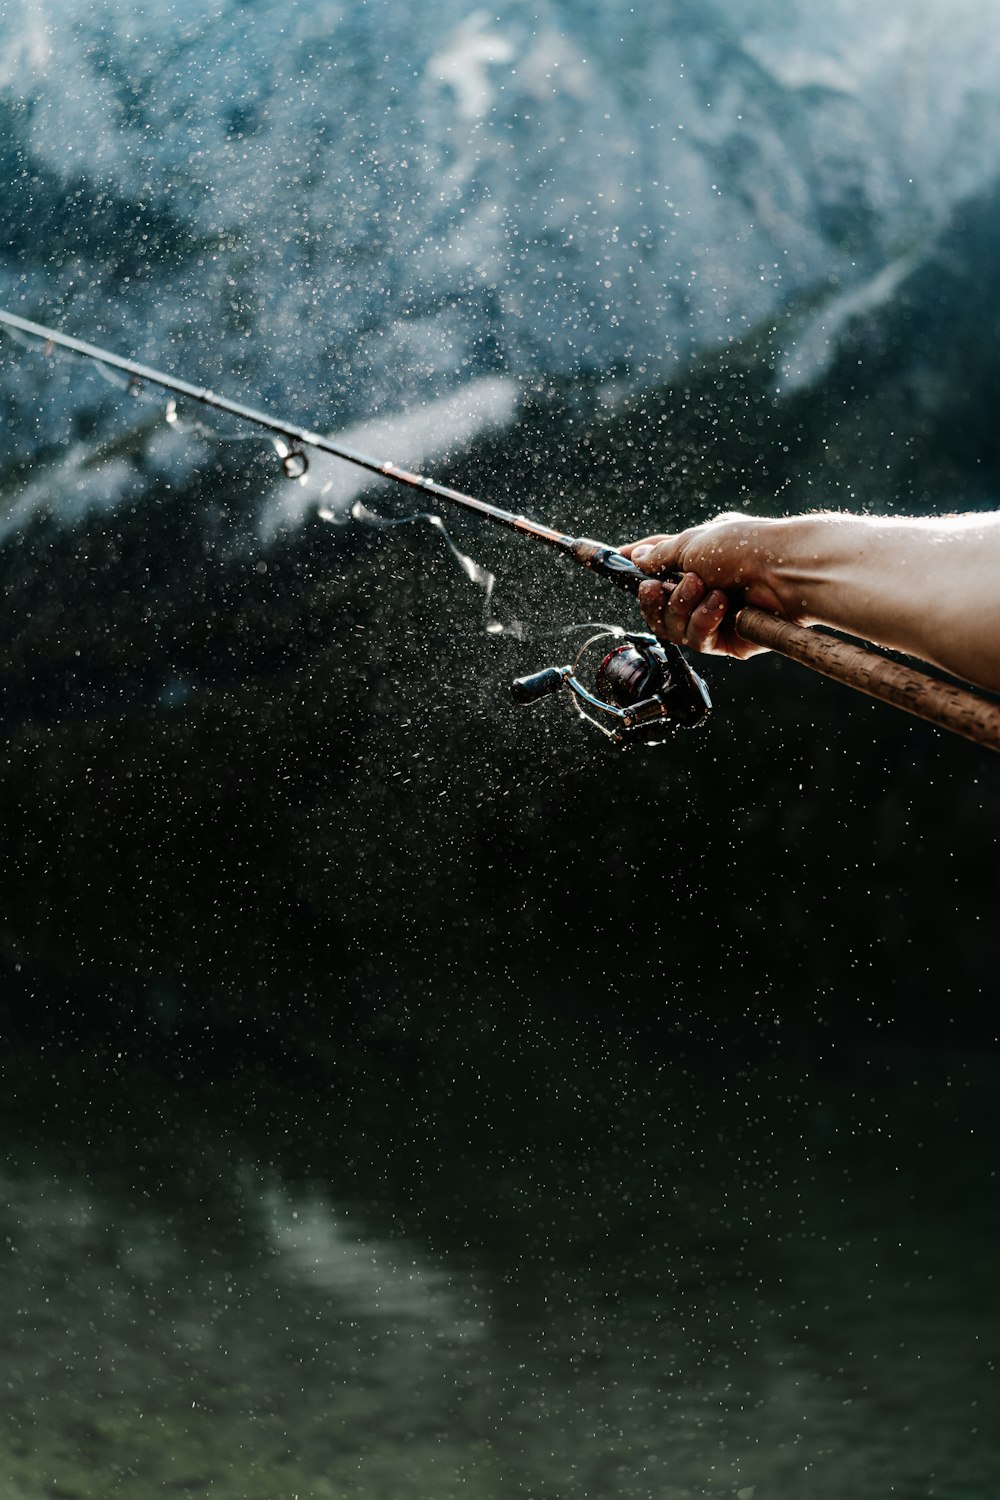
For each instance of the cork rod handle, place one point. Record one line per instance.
(942, 703)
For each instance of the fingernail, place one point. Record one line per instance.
(640, 553)
(688, 588)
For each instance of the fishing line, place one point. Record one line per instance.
(115, 378)
(516, 629)
(213, 435)
(16, 337)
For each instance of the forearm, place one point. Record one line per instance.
(926, 586)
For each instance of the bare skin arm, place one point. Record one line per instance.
(926, 586)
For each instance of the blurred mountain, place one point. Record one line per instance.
(346, 212)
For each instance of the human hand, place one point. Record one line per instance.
(727, 562)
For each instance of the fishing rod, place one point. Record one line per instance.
(643, 685)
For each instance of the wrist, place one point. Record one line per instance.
(830, 568)
(800, 557)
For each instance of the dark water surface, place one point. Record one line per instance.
(529, 1255)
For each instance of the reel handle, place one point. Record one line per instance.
(539, 685)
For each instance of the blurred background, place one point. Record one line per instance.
(406, 1093)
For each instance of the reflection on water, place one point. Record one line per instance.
(674, 1285)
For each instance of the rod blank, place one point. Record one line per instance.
(289, 430)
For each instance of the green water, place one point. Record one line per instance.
(545, 1264)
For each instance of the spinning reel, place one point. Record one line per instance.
(645, 687)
